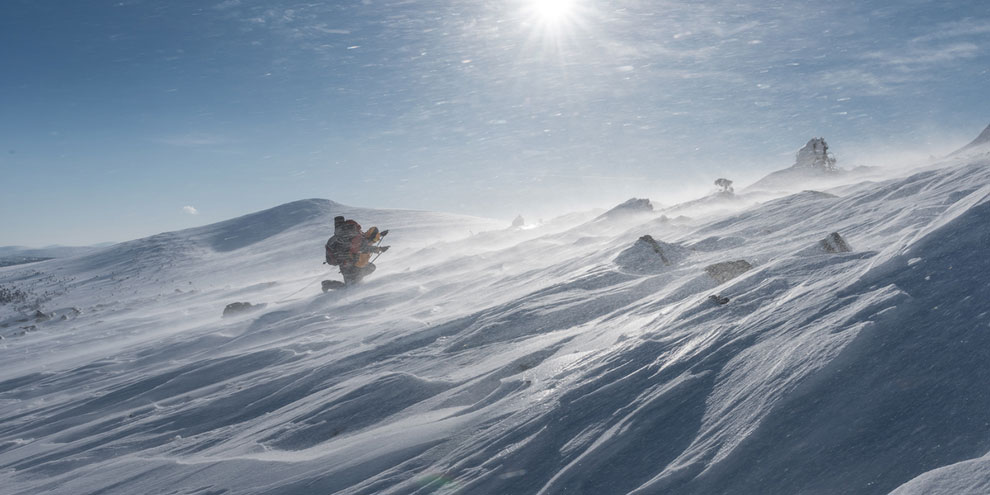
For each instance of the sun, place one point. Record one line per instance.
(555, 26)
(552, 20)
(553, 11)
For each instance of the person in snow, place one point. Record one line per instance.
(350, 249)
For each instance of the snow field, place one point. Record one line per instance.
(556, 359)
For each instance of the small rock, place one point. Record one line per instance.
(834, 243)
(240, 307)
(717, 299)
(728, 270)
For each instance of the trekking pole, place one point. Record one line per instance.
(379, 253)
(378, 244)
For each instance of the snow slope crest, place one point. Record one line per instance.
(249, 229)
(981, 143)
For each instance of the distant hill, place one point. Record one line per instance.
(20, 260)
(19, 255)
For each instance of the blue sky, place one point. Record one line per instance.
(128, 118)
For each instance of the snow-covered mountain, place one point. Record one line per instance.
(620, 354)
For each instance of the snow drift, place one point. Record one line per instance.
(563, 359)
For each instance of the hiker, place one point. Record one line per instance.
(350, 249)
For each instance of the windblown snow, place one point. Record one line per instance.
(730, 353)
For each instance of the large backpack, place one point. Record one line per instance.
(341, 247)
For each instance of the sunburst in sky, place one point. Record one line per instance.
(553, 12)
(551, 22)
(116, 115)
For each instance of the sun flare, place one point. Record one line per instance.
(553, 21)
(553, 11)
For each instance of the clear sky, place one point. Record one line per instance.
(127, 118)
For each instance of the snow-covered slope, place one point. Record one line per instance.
(19, 255)
(978, 145)
(559, 359)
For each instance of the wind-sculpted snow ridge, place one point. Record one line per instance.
(523, 361)
(980, 144)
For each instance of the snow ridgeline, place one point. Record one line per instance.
(570, 358)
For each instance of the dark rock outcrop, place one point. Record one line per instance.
(724, 186)
(727, 270)
(649, 255)
(813, 165)
(717, 299)
(237, 308)
(834, 243)
(815, 156)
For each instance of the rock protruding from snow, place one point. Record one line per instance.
(718, 299)
(715, 243)
(724, 185)
(834, 243)
(727, 270)
(633, 205)
(813, 166)
(237, 308)
(519, 222)
(649, 255)
(815, 156)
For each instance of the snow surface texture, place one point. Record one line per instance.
(558, 359)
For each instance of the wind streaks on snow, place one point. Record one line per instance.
(547, 360)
